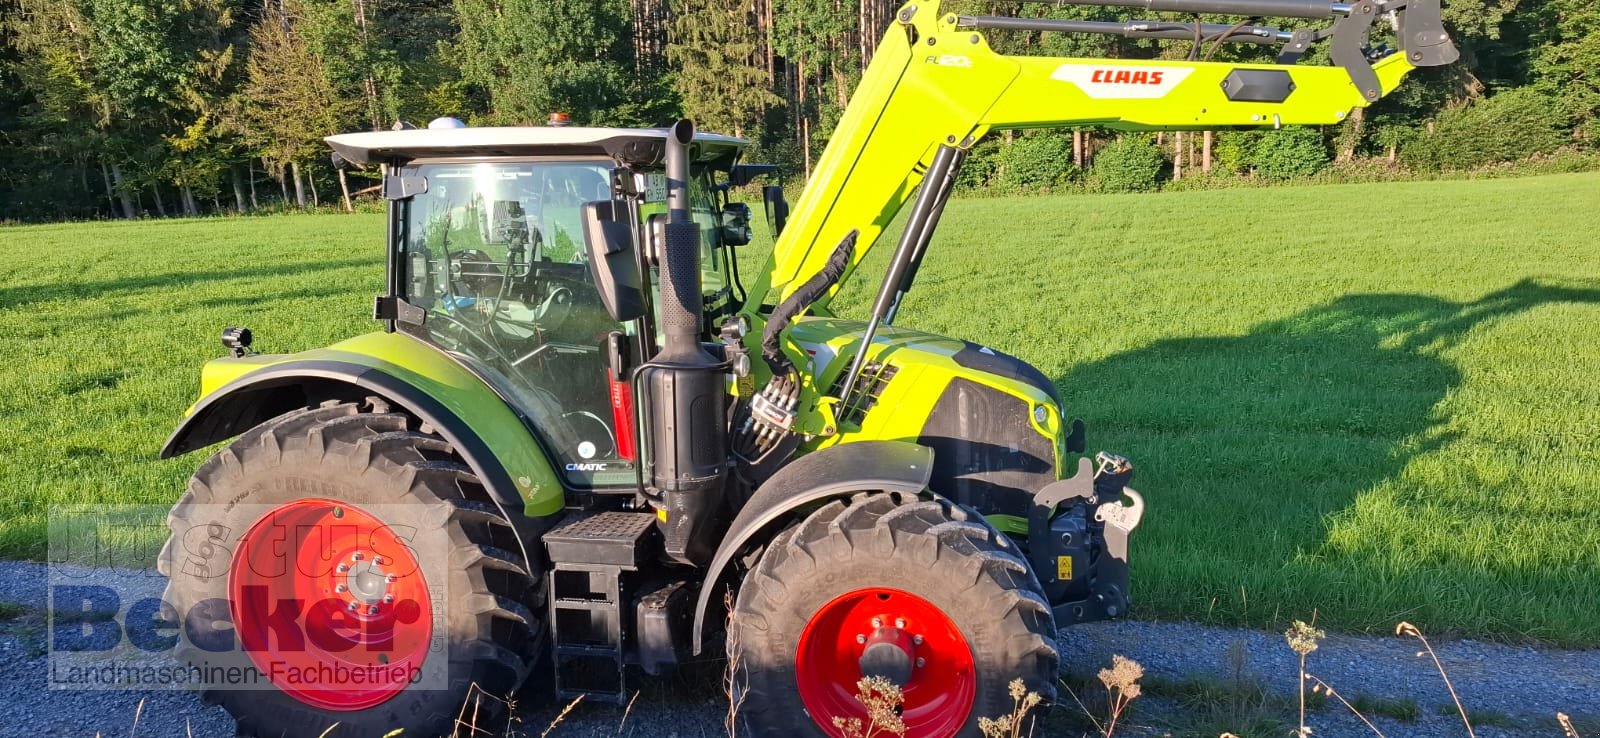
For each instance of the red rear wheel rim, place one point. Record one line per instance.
(828, 664)
(361, 611)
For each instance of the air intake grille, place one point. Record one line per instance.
(875, 377)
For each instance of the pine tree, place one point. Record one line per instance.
(535, 57)
(713, 44)
(288, 102)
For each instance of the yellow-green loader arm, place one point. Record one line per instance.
(935, 81)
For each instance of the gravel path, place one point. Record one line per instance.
(1513, 691)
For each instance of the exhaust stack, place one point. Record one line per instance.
(684, 387)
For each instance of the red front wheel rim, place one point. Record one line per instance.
(886, 632)
(361, 611)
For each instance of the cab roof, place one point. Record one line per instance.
(639, 147)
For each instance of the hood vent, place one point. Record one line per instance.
(875, 377)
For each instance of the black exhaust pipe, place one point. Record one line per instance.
(684, 385)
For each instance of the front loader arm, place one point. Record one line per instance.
(935, 81)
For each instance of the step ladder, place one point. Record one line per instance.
(592, 558)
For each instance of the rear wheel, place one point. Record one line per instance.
(368, 579)
(919, 592)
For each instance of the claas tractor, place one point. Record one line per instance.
(582, 446)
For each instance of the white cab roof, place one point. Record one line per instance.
(641, 146)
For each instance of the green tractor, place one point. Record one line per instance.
(581, 444)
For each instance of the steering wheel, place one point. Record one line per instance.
(555, 309)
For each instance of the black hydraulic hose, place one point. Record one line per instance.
(1217, 32)
(1267, 8)
(814, 288)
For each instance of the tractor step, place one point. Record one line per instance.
(613, 538)
(591, 559)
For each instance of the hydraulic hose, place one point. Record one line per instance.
(797, 303)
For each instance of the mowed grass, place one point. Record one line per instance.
(1362, 403)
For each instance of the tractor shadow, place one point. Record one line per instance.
(1245, 445)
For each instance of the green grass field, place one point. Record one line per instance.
(1365, 402)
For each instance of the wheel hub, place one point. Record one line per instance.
(894, 635)
(888, 653)
(364, 622)
(366, 583)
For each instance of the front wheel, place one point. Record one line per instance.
(918, 592)
(363, 578)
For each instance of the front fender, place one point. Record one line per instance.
(238, 394)
(836, 471)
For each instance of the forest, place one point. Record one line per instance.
(148, 108)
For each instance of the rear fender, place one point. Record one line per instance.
(412, 376)
(834, 472)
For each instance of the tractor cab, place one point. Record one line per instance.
(487, 260)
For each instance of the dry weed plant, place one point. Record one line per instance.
(559, 718)
(138, 712)
(1085, 708)
(1122, 687)
(1408, 629)
(628, 710)
(883, 700)
(1322, 687)
(471, 707)
(1303, 639)
(734, 679)
(1010, 726)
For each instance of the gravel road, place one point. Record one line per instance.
(1512, 691)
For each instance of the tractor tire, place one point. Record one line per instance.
(921, 592)
(410, 601)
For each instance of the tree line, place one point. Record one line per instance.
(136, 108)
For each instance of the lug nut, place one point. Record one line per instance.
(391, 579)
(388, 599)
(356, 556)
(372, 610)
(378, 561)
(341, 588)
(916, 640)
(921, 662)
(899, 622)
(877, 622)
(343, 568)
(353, 607)
(861, 639)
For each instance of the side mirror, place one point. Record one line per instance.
(777, 208)
(736, 224)
(608, 238)
(742, 174)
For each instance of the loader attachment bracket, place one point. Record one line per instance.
(1078, 531)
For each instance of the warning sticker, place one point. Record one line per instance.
(1063, 568)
